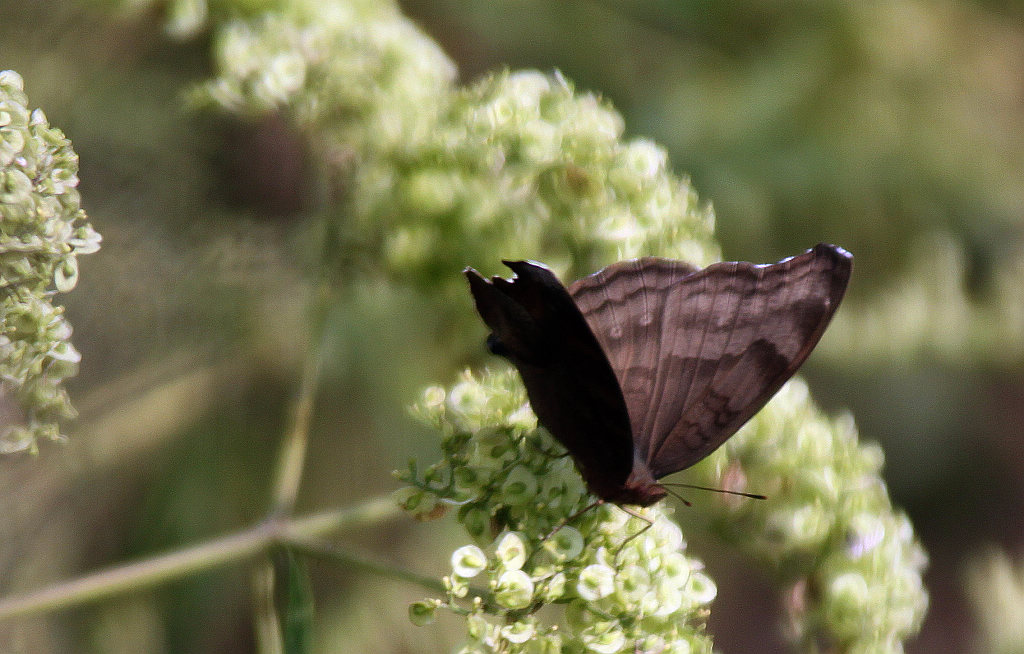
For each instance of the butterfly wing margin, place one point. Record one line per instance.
(698, 353)
(571, 385)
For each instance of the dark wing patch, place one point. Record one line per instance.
(570, 383)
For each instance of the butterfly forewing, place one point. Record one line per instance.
(697, 353)
(571, 386)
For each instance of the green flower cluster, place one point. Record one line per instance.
(429, 176)
(829, 531)
(358, 69)
(42, 231)
(520, 165)
(625, 582)
(184, 19)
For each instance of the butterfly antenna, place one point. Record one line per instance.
(676, 495)
(753, 496)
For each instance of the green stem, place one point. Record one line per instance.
(267, 625)
(293, 450)
(374, 565)
(364, 562)
(233, 548)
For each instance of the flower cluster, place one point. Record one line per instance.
(42, 231)
(356, 70)
(623, 579)
(851, 563)
(429, 176)
(829, 531)
(522, 166)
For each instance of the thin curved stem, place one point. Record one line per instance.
(233, 548)
(374, 565)
(363, 562)
(267, 624)
(293, 450)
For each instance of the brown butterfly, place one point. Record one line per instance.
(647, 366)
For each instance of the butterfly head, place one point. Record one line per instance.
(639, 489)
(640, 495)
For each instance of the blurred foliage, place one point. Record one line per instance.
(995, 585)
(894, 130)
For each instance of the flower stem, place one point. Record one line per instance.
(233, 548)
(293, 450)
(364, 562)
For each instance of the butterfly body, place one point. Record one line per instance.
(647, 366)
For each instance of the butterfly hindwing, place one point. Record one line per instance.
(698, 352)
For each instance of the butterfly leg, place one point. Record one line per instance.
(650, 523)
(594, 505)
(591, 506)
(566, 521)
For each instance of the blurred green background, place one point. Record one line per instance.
(894, 129)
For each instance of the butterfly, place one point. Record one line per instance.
(647, 366)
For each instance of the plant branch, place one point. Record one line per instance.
(379, 567)
(363, 562)
(293, 450)
(233, 548)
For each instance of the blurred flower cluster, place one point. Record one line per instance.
(851, 562)
(624, 581)
(995, 585)
(522, 166)
(931, 312)
(42, 231)
(357, 68)
(425, 176)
